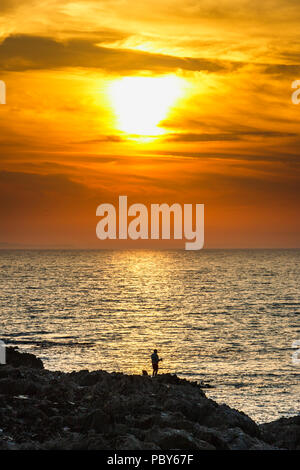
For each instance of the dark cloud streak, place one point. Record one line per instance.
(216, 137)
(25, 52)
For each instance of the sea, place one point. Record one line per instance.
(228, 318)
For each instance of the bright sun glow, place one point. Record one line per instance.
(141, 103)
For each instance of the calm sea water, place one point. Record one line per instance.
(224, 316)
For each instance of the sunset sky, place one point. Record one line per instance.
(164, 101)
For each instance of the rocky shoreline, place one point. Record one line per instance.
(45, 410)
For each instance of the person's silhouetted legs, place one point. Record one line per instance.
(155, 360)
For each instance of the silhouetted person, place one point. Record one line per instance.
(155, 360)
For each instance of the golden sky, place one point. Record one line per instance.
(164, 101)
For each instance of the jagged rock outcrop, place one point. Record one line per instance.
(17, 359)
(41, 409)
(284, 432)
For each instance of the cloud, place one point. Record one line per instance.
(104, 36)
(7, 5)
(25, 52)
(38, 184)
(215, 137)
(290, 70)
(104, 138)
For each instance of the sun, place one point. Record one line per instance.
(141, 103)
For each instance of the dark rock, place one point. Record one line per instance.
(99, 421)
(12, 387)
(17, 359)
(40, 409)
(176, 439)
(212, 436)
(130, 442)
(91, 379)
(224, 416)
(284, 432)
